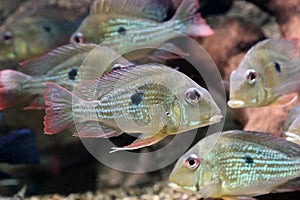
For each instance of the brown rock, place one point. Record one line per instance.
(287, 14)
(233, 36)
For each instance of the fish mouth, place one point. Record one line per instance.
(236, 103)
(215, 119)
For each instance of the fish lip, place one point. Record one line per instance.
(236, 103)
(215, 119)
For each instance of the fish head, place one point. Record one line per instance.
(259, 78)
(195, 169)
(186, 171)
(7, 46)
(198, 108)
(246, 89)
(29, 37)
(86, 32)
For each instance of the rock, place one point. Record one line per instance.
(287, 14)
(231, 37)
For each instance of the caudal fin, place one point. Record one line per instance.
(193, 23)
(11, 87)
(59, 108)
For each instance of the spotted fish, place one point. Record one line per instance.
(240, 165)
(268, 75)
(60, 65)
(145, 99)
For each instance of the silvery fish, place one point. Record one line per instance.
(125, 33)
(240, 165)
(268, 75)
(60, 65)
(291, 128)
(146, 99)
(31, 33)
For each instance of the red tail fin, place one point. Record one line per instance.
(196, 25)
(59, 108)
(11, 87)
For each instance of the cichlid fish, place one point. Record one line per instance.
(268, 75)
(33, 33)
(19, 147)
(240, 165)
(126, 33)
(60, 65)
(291, 128)
(146, 99)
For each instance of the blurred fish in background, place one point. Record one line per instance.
(126, 33)
(17, 147)
(59, 65)
(37, 26)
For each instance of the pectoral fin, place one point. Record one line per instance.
(285, 100)
(140, 142)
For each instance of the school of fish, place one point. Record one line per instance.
(112, 94)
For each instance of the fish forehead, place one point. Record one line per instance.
(108, 25)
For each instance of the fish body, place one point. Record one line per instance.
(30, 35)
(268, 75)
(291, 128)
(241, 164)
(60, 65)
(146, 99)
(127, 33)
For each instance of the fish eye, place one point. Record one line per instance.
(78, 38)
(192, 95)
(117, 66)
(192, 162)
(7, 37)
(251, 76)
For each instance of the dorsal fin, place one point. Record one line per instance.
(149, 9)
(267, 140)
(43, 64)
(92, 90)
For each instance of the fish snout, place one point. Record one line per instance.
(215, 119)
(236, 103)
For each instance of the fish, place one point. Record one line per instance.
(60, 65)
(143, 99)
(291, 127)
(19, 147)
(240, 165)
(125, 33)
(267, 75)
(32, 33)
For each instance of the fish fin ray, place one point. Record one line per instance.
(156, 10)
(95, 89)
(59, 108)
(94, 129)
(166, 52)
(268, 140)
(140, 142)
(43, 64)
(285, 100)
(37, 104)
(289, 186)
(11, 91)
(196, 25)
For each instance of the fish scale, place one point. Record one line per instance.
(240, 164)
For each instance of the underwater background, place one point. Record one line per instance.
(60, 167)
